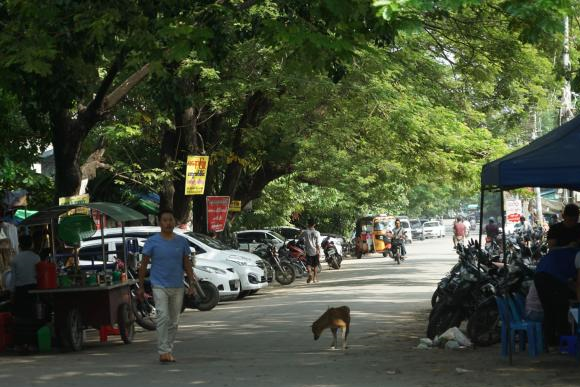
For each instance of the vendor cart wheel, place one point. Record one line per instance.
(72, 334)
(126, 322)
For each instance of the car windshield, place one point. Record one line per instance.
(431, 224)
(279, 236)
(213, 243)
(405, 224)
(415, 223)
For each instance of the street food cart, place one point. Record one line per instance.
(79, 301)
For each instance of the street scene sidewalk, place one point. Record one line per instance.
(266, 340)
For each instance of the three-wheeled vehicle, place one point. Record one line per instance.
(79, 299)
(373, 235)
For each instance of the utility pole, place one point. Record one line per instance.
(566, 110)
(539, 212)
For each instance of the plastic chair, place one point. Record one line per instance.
(523, 329)
(520, 312)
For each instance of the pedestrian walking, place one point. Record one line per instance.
(169, 255)
(459, 231)
(312, 248)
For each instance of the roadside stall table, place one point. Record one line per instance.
(101, 305)
(92, 306)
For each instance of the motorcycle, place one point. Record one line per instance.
(206, 298)
(468, 293)
(284, 272)
(458, 297)
(397, 247)
(293, 250)
(331, 255)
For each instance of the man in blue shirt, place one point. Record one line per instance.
(169, 256)
(554, 273)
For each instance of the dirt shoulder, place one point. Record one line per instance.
(477, 367)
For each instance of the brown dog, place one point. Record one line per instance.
(333, 318)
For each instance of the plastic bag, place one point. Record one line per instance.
(454, 334)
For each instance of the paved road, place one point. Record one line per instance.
(265, 340)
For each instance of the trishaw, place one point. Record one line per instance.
(373, 235)
(80, 301)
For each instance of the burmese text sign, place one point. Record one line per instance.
(195, 174)
(217, 212)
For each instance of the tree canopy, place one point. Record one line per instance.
(326, 108)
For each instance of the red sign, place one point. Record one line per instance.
(217, 212)
(514, 218)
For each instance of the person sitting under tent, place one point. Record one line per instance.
(554, 274)
(567, 232)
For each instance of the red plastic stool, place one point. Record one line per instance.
(105, 331)
(6, 338)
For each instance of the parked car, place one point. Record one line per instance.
(249, 267)
(222, 275)
(432, 229)
(408, 230)
(287, 232)
(248, 240)
(416, 228)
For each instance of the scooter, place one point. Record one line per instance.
(331, 254)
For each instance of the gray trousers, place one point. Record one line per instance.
(168, 302)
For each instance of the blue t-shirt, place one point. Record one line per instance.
(166, 260)
(562, 263)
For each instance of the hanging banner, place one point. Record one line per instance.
(513, 210)
(236, 206)
(195, 174)
(217, 212)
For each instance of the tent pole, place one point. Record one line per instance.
(502, 201)
(502, 205)
(481, 216)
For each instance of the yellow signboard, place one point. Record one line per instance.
(236, 206)
(78, 199)
(195, 174)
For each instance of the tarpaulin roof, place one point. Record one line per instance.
(115, 211)
(551, 161)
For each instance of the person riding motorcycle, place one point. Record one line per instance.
(399, 234)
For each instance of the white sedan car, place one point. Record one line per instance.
(249, 267)
(223, 276)
(433, 229)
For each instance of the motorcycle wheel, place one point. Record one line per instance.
(285, 275)
(385, 253)
(359, 255)
(145, 312)
(483, 326)
(398, 257)
(211, 299)
(442, 317)
(435, 298)
(338, 260)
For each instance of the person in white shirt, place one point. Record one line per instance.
(312, 246)
(467, 226)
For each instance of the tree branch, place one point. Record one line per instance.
(92, 111)
(124, 88)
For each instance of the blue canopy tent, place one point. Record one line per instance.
(551, 161)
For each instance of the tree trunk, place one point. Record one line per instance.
(67, 139)
(176, 145)
(187, 145)
(257, 107)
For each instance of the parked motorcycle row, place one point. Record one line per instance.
(284, 265)
(289, 261)
(467, 293)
